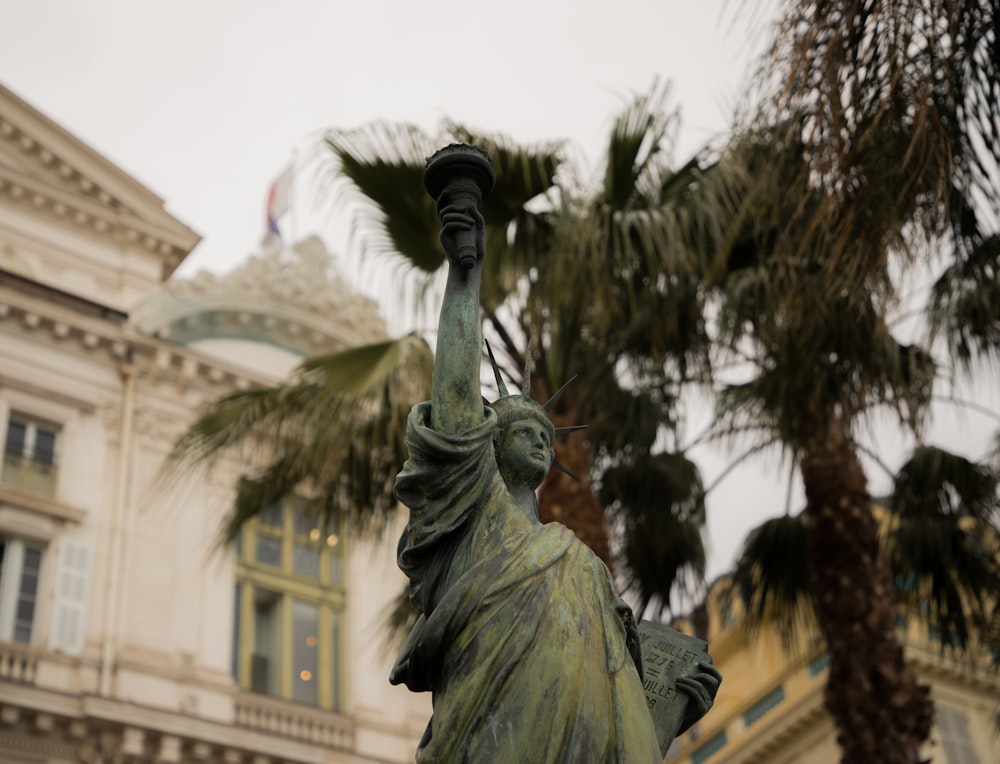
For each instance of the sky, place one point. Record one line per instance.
(207, 101)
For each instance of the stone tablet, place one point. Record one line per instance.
(667, 655)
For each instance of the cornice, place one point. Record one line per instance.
(72, 182)
(93, 335)
(119, 343)
(774, 735)
(166, 361)
(117, 225)
(85, 727)
(9, 495)
(40, 131)
(972, 671)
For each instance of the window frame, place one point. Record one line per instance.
(41, 484)
(955, 738)
(12, 571)
(326, 592)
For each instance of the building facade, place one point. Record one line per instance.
(770, 706)
(126, 633)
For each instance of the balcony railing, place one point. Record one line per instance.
(18, 663)
(281, 717)
(29, 474)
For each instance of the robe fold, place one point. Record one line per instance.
(521, 637)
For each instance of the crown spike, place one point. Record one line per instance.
(501, 387)
(564, 468)
(557, 395)
(529, 366)
(568, 430)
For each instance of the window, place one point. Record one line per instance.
(953, 728)
(289, 601)
(759, 709)
(20, 566)
(819, 664)
(709, 748)
(29, 456)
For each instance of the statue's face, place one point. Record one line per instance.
(524, 453)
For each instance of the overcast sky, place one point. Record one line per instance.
(205, 102)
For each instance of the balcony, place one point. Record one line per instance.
(18, 663)
(29, 474)
(294, 721)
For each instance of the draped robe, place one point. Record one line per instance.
(521, 637)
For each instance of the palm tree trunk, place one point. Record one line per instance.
(881, 713)
(571, 502)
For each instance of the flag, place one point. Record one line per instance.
(279, 198)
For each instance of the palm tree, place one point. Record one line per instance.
(876, 146)
(572, 288)
(569, 289)
(290, 438)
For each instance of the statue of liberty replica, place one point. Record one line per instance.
(528, 650)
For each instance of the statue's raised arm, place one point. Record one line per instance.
(458, 177)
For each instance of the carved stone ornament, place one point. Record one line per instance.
(300, 277)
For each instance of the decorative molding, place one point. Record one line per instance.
(297, 722)
(51, 171)
(156, 426)
(63, 326)
(119, 226)
(59, 171)
(118, 344)
(932, 659)
(293, 298)
(55, 510)
(164, 362)
(87, 728)
(30, 743)
(18, 663)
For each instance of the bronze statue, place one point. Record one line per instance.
(528, 650)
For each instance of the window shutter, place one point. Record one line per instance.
(69, 609)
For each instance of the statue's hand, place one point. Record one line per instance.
(463, 235)
(700, 688)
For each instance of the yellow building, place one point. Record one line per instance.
(770, 706)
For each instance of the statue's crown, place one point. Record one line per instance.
(510, 408)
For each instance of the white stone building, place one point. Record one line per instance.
(126, 635)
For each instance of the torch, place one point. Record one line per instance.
(462, 175)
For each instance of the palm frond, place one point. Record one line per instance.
(945, 541)
(659, 500)
(518, 211)
(621, 419)
(231, 420)
(524, 173)
(394, 215)
(635, 157)
(773, 579)
(894, 103)
(333, 435)
(966, 303)
(934, 482)
(356, 372)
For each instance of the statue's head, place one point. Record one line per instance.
(525, 437)
(523, 441)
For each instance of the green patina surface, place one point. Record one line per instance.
(522, 638)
